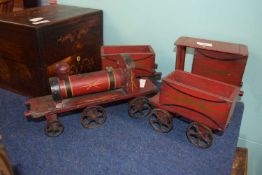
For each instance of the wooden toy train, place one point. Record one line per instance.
(206, 96)
(89, 91)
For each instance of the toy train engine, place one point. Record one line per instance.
(89, 91)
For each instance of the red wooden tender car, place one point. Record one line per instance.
(88, 92)
(207, 96)
(142, 55)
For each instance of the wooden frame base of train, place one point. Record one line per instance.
(93, 114)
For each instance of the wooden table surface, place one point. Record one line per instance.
(239, 166)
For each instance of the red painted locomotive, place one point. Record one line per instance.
(88, 91)
(207, 96)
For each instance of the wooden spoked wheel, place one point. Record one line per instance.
(54, 128)
(93, 117)
(161, 120)
(199, 135)
(139, 107)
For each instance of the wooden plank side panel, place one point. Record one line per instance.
(213, 113)
(22, 78)
(228, 68)
(72, 36)
(82, 61)
(18, 43)
(142, 55)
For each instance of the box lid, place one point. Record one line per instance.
(52, 13)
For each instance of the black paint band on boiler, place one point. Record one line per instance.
(68, 87)
(111, 79)
(55, 89)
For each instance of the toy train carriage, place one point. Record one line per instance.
(217, 60)
(207, 103)
(89, 91)
(143, 57)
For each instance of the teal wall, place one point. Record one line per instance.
(160, 23)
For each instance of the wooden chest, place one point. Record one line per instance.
(30, 49)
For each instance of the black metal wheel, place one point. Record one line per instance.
(161, 120)
(93, 117)
(199, 135)
(139, 107)
(54, 129)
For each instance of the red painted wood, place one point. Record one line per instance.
(142, 55)
(46, 106)
(214, 59)
(197, 98)
(180, 57)
(99, 81)
(132, 82)
(220, 46)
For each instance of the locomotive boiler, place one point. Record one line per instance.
(81, 84)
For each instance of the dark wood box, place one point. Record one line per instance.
(29, 52)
